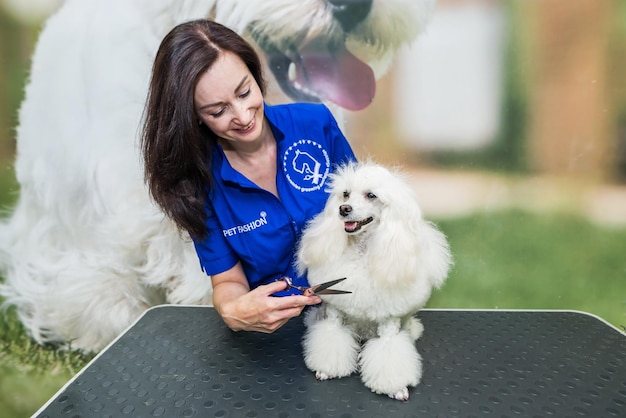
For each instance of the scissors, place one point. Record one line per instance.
(320, 289)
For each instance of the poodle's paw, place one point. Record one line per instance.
(401, 395)
(328, 361)
(322, 376)
(390, 365)
(335, 369)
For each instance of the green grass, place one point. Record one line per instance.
(30, 373)
(8, 186)
(519, 260)
(507, 260)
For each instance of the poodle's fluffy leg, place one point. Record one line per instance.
(414, 326)
(390, 363)
(330, 348)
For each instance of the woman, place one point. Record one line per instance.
(241, 177)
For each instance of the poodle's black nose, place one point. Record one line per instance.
(344, 210)
(350, 13)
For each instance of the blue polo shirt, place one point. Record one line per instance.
(251, 225)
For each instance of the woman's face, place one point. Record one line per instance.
(229, 101)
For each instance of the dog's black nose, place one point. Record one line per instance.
(344, 210)
(350, 13)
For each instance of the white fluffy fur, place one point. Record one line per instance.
(391, 265)
(85, 251)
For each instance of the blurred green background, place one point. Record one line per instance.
(535, 212)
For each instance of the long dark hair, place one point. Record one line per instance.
(176, 146)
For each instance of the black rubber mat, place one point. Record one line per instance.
(183, 362)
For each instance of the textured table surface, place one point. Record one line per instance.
(180, 361)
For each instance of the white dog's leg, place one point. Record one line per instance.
(330, 348)
(391, 363)
(414, 327)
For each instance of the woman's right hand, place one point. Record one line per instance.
(243, 309)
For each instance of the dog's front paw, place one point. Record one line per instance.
(330, 360)
(322, 376)
(401, 395)
(390, 364)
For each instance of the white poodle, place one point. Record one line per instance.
(371, 232)
(85, 251)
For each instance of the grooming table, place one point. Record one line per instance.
(182, 361)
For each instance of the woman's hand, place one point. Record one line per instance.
(243, 309)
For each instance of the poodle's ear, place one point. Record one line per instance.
(393, 247)
(406, 250)
(434, 256)
(406, 246)
(323, 239)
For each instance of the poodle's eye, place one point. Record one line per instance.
(346, 194)
(371, 196)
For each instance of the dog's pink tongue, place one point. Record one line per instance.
(350, 226)
(339, 77)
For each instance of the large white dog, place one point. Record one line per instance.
(85, 251)
(372, 233)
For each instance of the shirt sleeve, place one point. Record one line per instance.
(214, 252)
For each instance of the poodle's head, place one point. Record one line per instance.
(358, 197)
(367, 195)
(374, 209)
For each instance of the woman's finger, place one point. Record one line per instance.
(271, 288)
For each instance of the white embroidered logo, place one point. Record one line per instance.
(306, 165)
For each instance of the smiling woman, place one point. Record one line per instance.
(234, 167)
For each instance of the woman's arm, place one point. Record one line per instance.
(243, 309)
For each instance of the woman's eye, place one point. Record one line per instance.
(245, 93)
(218, 113)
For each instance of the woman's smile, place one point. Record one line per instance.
(248, 128)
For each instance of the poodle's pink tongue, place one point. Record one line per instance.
(350, 226)
(339, 77)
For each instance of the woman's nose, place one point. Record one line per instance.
(241, 114)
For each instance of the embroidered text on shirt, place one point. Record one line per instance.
(250, 226)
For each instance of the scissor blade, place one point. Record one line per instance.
(326, 285)
(332, 292)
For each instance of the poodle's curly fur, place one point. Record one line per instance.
(372, 232)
